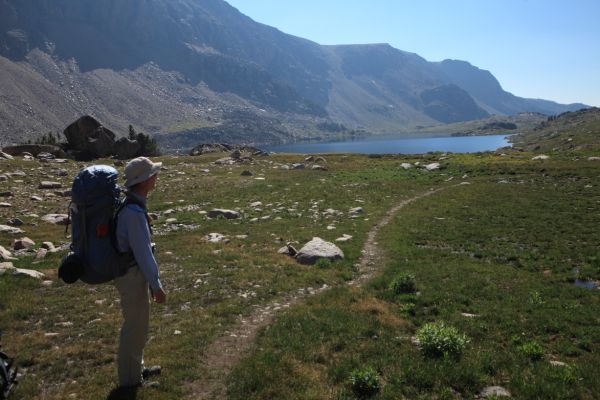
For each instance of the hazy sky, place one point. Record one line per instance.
(546, 49)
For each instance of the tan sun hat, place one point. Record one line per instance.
(139, 169)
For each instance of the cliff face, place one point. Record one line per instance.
(186, 65)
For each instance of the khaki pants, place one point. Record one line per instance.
(133, 289)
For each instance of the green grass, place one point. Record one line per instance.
(503, 248)
(503, 252)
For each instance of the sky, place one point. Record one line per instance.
(548, 49)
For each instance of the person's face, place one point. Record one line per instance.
(152, 182)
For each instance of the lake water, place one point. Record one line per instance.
(454, 144)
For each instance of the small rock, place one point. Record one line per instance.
(177, 332)
(6, 156)
(541, 157)
(256, 204)
(23, 243)
(317, 167)
(62, 172)
(298, 166)
(5, 254)
(216, 238)
(344, 238)
(229, 214)
(15, 222)
(246, 173)
(5, 205)
(309, 159)
(555, 363)
(171, 220)
(494, 391)
(10, 229)
(432, 167)
(356, 210)
(468, 315)
(48, 246)
(41, 254)
(29, 272)
(50, 185)
(57, 219)
(36, 198)
(593, 158)
(406, 166)
(6, 267)
(6, 194)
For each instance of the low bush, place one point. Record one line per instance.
(404, 283)
(364, 382)
(532, 350)
(439, 340)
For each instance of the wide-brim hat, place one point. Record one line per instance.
(139, 169)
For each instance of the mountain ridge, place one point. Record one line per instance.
(197, 64)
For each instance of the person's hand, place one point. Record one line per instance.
(160, 296)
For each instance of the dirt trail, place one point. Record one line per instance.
(226, 351)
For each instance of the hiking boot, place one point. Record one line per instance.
(151, 371)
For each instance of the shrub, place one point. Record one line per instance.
(364, 382)
(532, 350)
(323, 263)
(404, 283)
(439, 340)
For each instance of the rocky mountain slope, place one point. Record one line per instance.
(579, 130)
(199, 69)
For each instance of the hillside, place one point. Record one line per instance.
(198, 67)
(578, 130)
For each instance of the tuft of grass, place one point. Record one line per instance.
(404, 283)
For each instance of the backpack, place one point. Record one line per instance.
(95, 205)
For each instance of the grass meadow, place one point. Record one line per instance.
(496, 259)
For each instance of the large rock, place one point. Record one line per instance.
(126, 148)
(318, 248)
(88, 137)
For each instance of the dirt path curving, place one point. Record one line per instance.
(226, 351)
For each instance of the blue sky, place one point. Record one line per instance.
(540, 49)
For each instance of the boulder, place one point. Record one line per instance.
(45, 156)
(406, 165)
(15, 222)
(298, 166)
(5, 205)
(88, 137)
(229, 214)
(317, 167)
(318, 248)
(126, 148)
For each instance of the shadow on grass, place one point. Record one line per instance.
(123, 393)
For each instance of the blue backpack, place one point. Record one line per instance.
(93, 212)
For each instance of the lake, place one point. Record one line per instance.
(454, 144)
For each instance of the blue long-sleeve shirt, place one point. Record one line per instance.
(133, 234)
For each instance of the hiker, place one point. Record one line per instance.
(133, 234)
